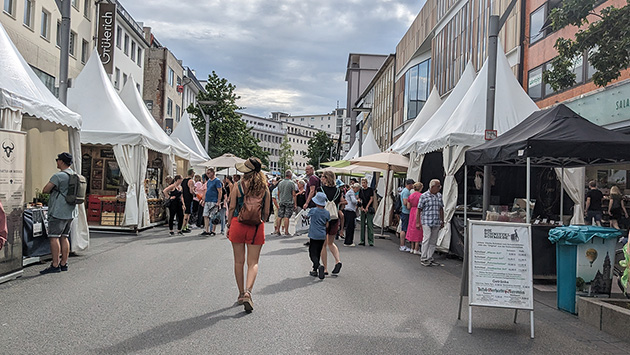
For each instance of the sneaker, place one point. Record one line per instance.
(307, 244)
(180, 232)
(417, 252)
(425, 263)
(362, 244)
(337, 268)
(64, 267)
(313, 273)
(349, 245)
(204, 234)
(402, 248)
(171, 233)
(212, 233)
(187, 230)
(52, 270)
(288, 235)
(435, 263)
(371, 245)
(320, 272)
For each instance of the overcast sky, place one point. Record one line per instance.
(282, 55)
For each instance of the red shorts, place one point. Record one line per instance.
(333, 227)
(244, 233)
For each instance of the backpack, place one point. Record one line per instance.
(77, 186)
(249, 208)
(331, 206)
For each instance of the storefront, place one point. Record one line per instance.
(608, 107)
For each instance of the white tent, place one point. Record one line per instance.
(466, 126)
(436, 121)
(185, 132)
(368, 147)
(131, 98)
(432, 104)
(107, 121)
(26, 104)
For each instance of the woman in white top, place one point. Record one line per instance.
(350, 213)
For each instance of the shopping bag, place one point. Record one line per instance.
(302, 222)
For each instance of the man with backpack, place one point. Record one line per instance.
(61, 212)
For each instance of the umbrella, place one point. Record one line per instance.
(336, 164)
(352, 170)
(225, 161)
(387, 161)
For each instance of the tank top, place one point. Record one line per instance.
(187, 194)
(175, 193)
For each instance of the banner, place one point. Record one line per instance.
(12, 180)
(105, 35)
(500, 265)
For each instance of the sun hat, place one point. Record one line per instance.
(65, 157)
(320, 199)
(249, 165)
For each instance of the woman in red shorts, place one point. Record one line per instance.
(245, 236)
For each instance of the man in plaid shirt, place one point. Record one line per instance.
(431, 215)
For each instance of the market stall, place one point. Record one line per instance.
(26, 105)
(116, 147)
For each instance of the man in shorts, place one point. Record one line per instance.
(286, 200)
(593, 208)
(214, 192)
(60, 214)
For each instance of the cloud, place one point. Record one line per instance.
(282, 55)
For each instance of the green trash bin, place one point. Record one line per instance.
(584, 261)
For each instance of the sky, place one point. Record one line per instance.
(282, 55)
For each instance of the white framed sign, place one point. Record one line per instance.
(500, 265)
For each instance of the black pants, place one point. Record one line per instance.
(200, 216)
(350, 222)
(315, 251)
(175, 210)
(194, 212)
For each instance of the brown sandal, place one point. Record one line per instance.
(239, 300)
(247, 301)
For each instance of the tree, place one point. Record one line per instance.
(286, 154)
(319, 149)
(228, 133)
(607, 42)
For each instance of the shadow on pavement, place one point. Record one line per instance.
(288, 285)
(287, 251)
(169, 332)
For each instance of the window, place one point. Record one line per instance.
(548, 89)
(534, 83)
(9, 7)
(45, 30)
(171, 76)
(417, 84)
(177, 112)
(117, 78)
(536, 22)
(47, 79)
(72, 45)
(75, 3)
(139, 90)
(126, 47)
(85, 51)
(133, 51)
(58, 37)
(87, 9)
(118, 37)
(28, 13)
(169, 108)
(124, 79)
(139, 57)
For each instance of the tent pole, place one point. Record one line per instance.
(462, 287)
(562, 197)
(385, 202)
(529, 173)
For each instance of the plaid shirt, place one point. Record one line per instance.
(430, 205)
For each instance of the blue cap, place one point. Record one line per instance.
(320, 199)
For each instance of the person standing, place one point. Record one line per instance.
(200, 190)
(243, 236)
(430, 215)
(350, 212)
(188, 188)
(404, 213)
(300, 195)
(176, 204)
(60, 214)
(366, 203)
(594, 204)
(286, 200)
(616, 207)
(414, 235)
(213, 195)
(333, 194)
(225, 201)
(312, 186)
(317, 233)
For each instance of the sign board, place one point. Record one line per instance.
(500, 265)
(490, 134)
(106, 35)
(12, 183)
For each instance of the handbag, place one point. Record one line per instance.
(331, 206)
(302, 222)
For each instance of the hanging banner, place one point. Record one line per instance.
(105, 35)
(12, 179)
(500, 265)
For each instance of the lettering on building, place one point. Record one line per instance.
(105, 38)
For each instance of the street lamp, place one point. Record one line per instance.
(206, 118)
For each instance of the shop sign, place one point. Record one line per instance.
(105, 38)
(606, 107)
(623, 103)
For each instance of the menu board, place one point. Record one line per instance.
(500, 265)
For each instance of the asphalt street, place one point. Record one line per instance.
(155, 294)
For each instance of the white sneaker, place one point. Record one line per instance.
(403, 248)
(417, 252)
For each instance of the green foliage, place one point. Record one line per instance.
(607, 41)
(227, 132)
(286, 155)
(319, 149)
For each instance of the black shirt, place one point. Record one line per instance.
(332, 193)
(187, 193)
(364, 196)
(596, 199)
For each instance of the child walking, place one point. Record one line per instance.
(319, 218)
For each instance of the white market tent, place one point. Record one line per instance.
(436, 121)
(368, 147)
(131, 98)
(466, 126)
(185, 132)
(27, 105)
(107, 121)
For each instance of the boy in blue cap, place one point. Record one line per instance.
(319, 218)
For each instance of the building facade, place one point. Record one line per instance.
(298, 136)
(164, 91)
(328, 122)
(129, 51)
(608, 106)
(34, 27)
(192, 88)
(270, 133)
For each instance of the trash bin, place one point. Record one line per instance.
(584, 261)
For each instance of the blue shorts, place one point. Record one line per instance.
(404, 219)
(593, 214)
(58, 227)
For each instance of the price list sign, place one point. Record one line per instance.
(500, 265)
